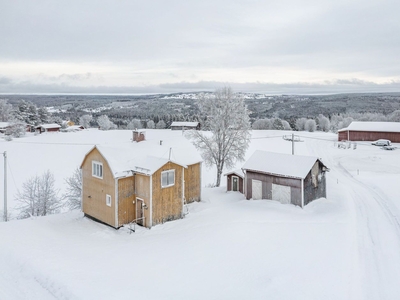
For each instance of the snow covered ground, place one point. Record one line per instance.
(344, 247)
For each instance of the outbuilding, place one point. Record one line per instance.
(234, 181)
(370, 131)
(293, 179)
(185, 125)
(48, 128)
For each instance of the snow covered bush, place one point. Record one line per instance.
(150, 124)
(161, 125)
(310, 125)
(104, 123)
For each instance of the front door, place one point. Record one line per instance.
(139, 211)
(235, 183)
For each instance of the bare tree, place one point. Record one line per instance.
(85, 120)
(228, 121)
(39, 197)
(74, 190)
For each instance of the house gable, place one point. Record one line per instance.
(95, 189)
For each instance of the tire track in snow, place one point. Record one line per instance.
(377, 233)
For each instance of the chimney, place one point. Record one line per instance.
(138, 136)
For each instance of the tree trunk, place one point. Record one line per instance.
(219, 173)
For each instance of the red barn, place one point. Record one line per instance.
(370, 131)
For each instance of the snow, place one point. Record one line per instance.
(297, 166)
(344, 247)
(188, 124)
(48, 126)
(373, 126)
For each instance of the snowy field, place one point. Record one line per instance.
(344, 247)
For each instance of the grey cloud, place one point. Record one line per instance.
(5, 80)
(327, 87)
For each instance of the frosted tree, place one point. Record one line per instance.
(394, 116)
(161, 125)
(300, 123)
(134, 124)
(85, 120)
(43, 115)
(5, 110)
(310, 125)
(286, 125)
(105, 123)
(324, 123)
(228, 121)
(74, 190)
(150, 124)
(39, 197)
(16, 128)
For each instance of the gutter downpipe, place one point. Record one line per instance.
(151, 202)
(116, 203)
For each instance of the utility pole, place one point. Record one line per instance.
(5, 185)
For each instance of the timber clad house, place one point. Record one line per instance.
(285, 178)
(370, 131)
(139, 182)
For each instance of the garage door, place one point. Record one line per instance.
(256, 189)
(281, 193)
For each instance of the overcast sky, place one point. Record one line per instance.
(129, 46)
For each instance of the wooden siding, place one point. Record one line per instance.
(94, 190)
(126, 198)
(229, 183)
(267, 181)
(315, 184)
(167, 201)
(193, 183)
(369, 136)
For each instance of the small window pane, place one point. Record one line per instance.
(171, 177)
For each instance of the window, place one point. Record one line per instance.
(97, 169)
(108, 200)
(167, 178)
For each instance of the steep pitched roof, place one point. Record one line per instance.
(146, 157)
(295, 166)
(373, 126)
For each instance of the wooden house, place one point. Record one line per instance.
(235, 181)
(285, 178)
(4, 126)
(370, 131)
(185, 125)
(48, 128)
(125, 185)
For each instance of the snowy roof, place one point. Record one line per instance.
(49, 126)
(373, 126)
(188, 124)
(147, 157)
(4, 124)
(235, 172)
(286, 165)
